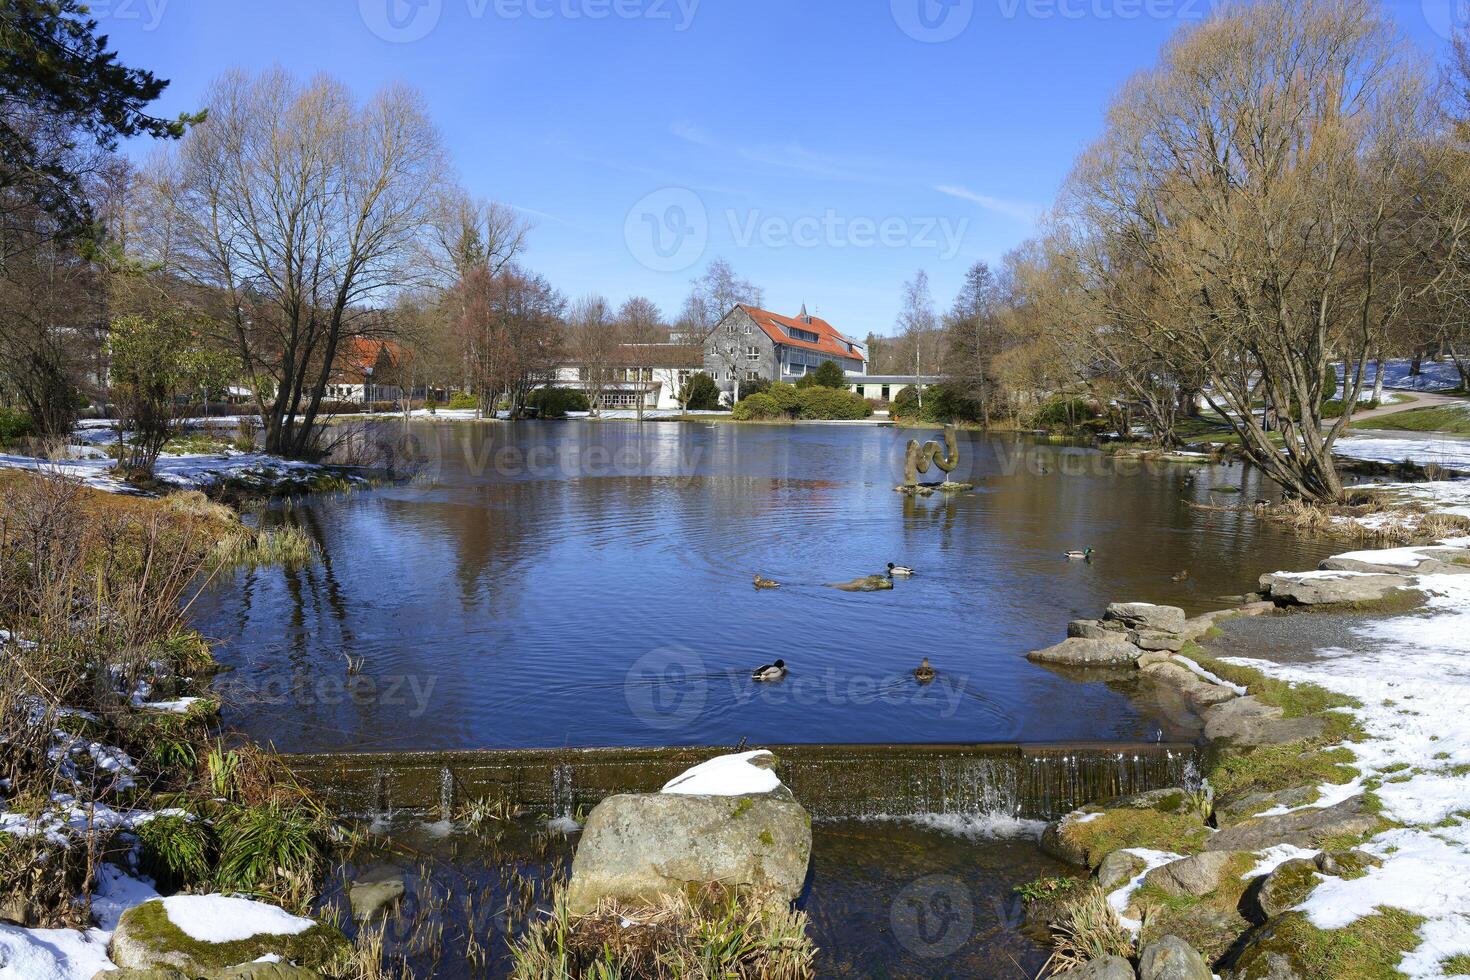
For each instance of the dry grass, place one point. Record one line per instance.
(1087, 929)
(1391, 524)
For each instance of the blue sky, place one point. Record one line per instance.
(827, 148)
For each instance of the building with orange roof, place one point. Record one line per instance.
(367, 370)
(750, 343)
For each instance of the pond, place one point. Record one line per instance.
(583, 583)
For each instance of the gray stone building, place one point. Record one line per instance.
(751, 343)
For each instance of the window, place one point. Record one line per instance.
(885, 393)
(798, 334)
(753, 353)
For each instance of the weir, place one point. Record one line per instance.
(1039, 782)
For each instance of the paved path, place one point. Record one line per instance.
(1419, 399)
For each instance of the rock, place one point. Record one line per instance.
(1146, 615)
(1095, 629)
(1119, 868)
(1197, 875)
(146, 937)
(1150, 657)
(1286, 887)
(1200, 692)
(1167, 800)
(1330, 588)
(375, 892)
(265, 971)
(1234, 811)
(17, 909)
(1248, 722)
(1155, 640)
(1204, 924)
(1303, 828)
(1107, 968)
(643, 847)
(1171, 958)
(1273, 951)
(1346, 864)
(1079, 652)
(1254, 605)
(161, 974)
(1061, 846)
(1431, 561)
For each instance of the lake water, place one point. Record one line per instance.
(546, 584)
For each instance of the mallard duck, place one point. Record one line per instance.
(902, 571)
(1084, 555)
(765, 583)
(769, 672)
(924, 673)
(1182, 576)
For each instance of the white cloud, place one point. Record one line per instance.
(1017, 210)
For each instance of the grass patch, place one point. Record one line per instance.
(1368, 949)
(1114, 829)
(1456, 966)
(287, 547)
(1210, 923)
(1438, 418)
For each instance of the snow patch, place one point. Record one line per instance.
(727, 775)
(221, 919)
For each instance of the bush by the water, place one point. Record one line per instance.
(555, 403)
(941, 404)
(1064, 413)
(463, 401)
(784, 401)
(701, 394)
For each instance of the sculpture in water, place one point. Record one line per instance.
(918, 459)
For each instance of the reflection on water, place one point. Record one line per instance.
(548, 584)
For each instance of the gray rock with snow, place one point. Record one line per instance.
(1171, 958)
(1196, 875)
(1331, 588)
(1346, 863)
(640, 848)
(1248, 722)
(1285, 887)
(1303, 828)
(1245, 807)
(1146, 615)
(1433, 561)
(1079, 652)
(1200, 692)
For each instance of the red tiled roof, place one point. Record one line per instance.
(358, 356)
(829, 341)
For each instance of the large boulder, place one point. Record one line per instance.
(1403, 561)
(1276, 951)
(1326, 588)
(1249, 722)
(1171, 958)
(1200, 693)
(1096, 629)
(1079, 652)
(1233, 811)
(1197, 875)
(196, 934)
(1156, 640)
(1119, 868)
(640, 848)
(1147, 616)
(1303, 828)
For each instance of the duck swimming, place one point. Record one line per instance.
(901, 571)
(1084, 555)
(769, 672)
(1181, 577)
(924, 673)
(765, 583)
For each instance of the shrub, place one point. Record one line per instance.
(701, 394)
(462, 401)
(756, 407)
(942, 403)
(273, 850)
(175, 851)
(833, 403)
(1063, 413)
(787, 397)
(755, 386)
(829, 374)
(14, 426)
(1087, 930)
(555, 403)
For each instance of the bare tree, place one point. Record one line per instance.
(593, 341)
(292, 210)
(919, 327)
(714, 296)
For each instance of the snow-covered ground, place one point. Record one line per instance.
(1411, 676)
(184, 472)
(1448, 451)
(1432, 376)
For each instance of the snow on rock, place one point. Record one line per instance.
(221, 919)
(1203, 674)
(728, 775)
(1274, 857)
(1123, 894)
(1396, 557)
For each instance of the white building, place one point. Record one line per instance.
(653, 374)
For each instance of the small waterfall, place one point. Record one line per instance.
(1029, 782)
